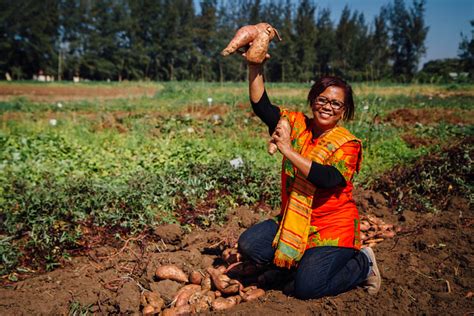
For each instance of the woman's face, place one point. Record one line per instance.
(327, 115)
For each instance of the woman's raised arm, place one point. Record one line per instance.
(256, 82)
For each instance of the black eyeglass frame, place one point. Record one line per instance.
(335, 104)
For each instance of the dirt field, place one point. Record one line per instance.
(53, 93)
(427, 268)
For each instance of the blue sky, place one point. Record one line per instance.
(445, 18)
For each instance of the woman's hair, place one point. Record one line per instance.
(322, 83)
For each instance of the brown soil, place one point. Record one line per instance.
(409, 117)
(427, 268)
(52, 93)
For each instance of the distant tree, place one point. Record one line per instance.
(179, 56)
(145, 23)
(343, 38)
(325, 43)
(287, 47)
(466, 52)
(28, 33)
(360, 50)
(408, 34)
(305, 40)
(379, 46)
(274, 12)
(206, 40)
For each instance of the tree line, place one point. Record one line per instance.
(174, 40)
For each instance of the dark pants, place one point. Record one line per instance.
(322, 271)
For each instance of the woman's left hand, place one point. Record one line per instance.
(282, 138)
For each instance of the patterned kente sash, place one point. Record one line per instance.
(292, 236)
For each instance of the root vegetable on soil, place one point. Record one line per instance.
(374, 230)
(223, 283)
(231, 255)
(184, 294)
(195, 277)
(171, 272)
(152, 299)
(222, 303)
(252, 294)
(149, 310)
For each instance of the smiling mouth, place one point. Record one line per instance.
(325, 114)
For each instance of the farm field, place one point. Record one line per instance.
(100, 183)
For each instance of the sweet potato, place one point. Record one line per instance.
(222, 303)
(202, 300)
(258, 50)
(195, 277)
(183, 295)
(258, 35)
(206, 283)
(272, 146)
(149, 310)
(252, 294)
(152, 299)
(231, 255)
(223, 283)
(388, 234)
(242, 37)
(171, 272)
(364, 225)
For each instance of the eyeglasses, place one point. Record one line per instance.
(335, 104)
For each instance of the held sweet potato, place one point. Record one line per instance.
(242, 37)
(258, 35)
(257, 52)
(272, 146)
(171, 272)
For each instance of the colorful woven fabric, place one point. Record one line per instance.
(296, 231)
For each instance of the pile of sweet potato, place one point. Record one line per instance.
(373, 230)
(212, 289)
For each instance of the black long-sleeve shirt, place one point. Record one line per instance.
(321, 176)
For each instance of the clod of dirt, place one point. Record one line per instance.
(170, 234)
(244, 216)
(128, 298)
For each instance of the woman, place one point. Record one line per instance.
(317, 232)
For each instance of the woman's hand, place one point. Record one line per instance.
(281, 136)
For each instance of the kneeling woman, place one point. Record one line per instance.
(317, 232)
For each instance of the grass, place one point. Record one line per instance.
(129, 164)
